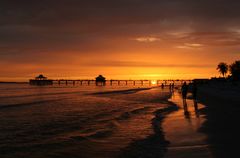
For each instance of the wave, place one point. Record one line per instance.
(140, 110)
(124, 116)
(128, 114)
(32, 95)
(27, 104)
(126, 91)
(33, 87)
(95, 135)
(110, 127)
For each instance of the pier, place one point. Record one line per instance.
(101, 81)
(115, 82)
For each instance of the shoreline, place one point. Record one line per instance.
(154, 145)
(216, 140)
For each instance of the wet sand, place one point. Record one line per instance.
(181, 129)
(177, 133)
(210, 130)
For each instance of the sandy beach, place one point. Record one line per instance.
(222, 116)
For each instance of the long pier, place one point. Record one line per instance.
(117, 82)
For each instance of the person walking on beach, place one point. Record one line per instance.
(184, 90)
(170, 88)
(162, 86)
(184, 96)
(194, 91)
(172, 85)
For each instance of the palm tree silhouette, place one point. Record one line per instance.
(235, 70)
(222, 68)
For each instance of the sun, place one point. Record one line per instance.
(154, 82)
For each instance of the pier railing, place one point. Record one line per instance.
(117, 82)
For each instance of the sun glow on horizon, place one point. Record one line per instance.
(153, 82)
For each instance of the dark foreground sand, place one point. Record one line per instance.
(222, 118)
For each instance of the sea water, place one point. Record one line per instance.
(75, 120)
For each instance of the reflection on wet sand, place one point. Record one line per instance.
(186, 111)
(185, 108)
(195, 103)
(181, 129)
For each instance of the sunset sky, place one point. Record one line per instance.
(121, 39)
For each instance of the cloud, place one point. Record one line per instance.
(61, 23)
(115, 63)
(49, 31)
(198, 40)
(147, 39)
(190, 46)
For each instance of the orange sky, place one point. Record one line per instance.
(158, 40)
(147, 62)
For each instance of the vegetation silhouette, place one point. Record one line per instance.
(235, 70)
(222, 68)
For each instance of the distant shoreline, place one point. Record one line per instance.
(4, 82)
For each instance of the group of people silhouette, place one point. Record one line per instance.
(184, 91)
(171, 86)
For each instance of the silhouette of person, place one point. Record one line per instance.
(170, 88)
(172, 85)
(162, 85)
(194, 91)
(184, 90)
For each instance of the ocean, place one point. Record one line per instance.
(76, 120)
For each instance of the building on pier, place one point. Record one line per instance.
(40, 81)
(100, 80)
